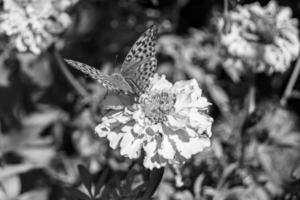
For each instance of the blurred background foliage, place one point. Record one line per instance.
(47, 128)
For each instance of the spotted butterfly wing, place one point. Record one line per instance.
(137, 69)
(140, 63)
(113, 82)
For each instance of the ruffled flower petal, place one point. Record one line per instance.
(130, 145)
(200, 122)
(263, 38)
(170, 134)
(189, 95)
(152, 158)
(35, 25)
(192, 147)
(160, 83)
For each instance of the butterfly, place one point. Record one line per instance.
(138, 67)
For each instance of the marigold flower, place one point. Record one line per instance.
(169, 123)
(264, 38)
(35, 25)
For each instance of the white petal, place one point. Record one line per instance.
(199, 121)
(156, 128)
(149, 149)
(186, 86)
(188, 94)
(114, 139)
(177, 121)
(195, 145)
(130, 146)
(160, 84)
(120, 116)
(166, 150)
(138, 129)
(102, 130)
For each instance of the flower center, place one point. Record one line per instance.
(158, 106)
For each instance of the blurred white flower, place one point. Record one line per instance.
(35, 25)
(199, 49)
(264, 38)
(170, 124)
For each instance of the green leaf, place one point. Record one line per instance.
(76, 194)
(5, 72)
(101, 181)
(86, 178)
(137, 191)
(155, 178)
(107, 190)
(129, 180)
(105, 193)
(218, 95)
(115, 194)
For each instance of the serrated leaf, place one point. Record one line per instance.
(129, 179)
(101, 181)
(227, 171)
(86, 178)
(115, 195)
(106, 191)
(155, 178)
(198, 185)
(136, 191)
(77, 194)
(104, 194)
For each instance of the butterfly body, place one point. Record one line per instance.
(137, 69)
(117, 82)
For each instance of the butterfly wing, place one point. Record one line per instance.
(138, 75)
(140, 63)
(114, 82)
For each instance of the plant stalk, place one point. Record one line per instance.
(289, 88)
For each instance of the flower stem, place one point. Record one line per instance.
(289, 88)
(225, 8)
(250, 104)
(76, 85)
(226, 28)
